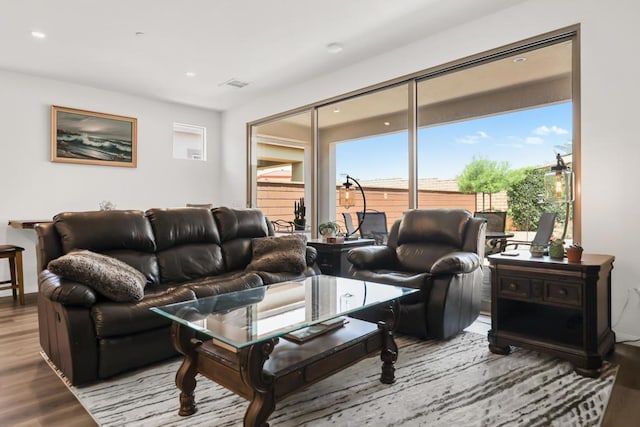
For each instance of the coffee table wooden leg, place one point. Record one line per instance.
(389, 353)
(185, 343)
(252, 370)
(261, 407)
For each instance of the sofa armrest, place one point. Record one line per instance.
(373, 257)
(65, 292)
(456, 263)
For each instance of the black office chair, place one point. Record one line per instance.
(374, 226)
(545, 229)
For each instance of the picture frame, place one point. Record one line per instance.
(92, 138)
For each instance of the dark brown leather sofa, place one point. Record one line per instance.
(438, 251)
(185, 253)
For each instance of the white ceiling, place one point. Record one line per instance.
(268, 43)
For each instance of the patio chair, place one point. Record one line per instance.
(348, 223)
(282, 226)
(374, 226)
(545, 229)
(496, 223)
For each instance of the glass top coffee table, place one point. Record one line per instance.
(266, 343)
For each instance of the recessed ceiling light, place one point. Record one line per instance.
(387, 123)
(519, 59)
(190, 74)
(336, 110)
(38, 34)
(334, 48)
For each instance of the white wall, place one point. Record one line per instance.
(610, 93)
(34, 188)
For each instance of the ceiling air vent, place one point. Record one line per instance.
(234, 83)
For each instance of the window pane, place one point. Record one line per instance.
(483, 127)
(189, 142)
(366, 138)
(281, 170)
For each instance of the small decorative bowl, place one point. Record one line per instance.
(536, 251)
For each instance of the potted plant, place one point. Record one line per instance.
(574, 253)
(300, 211)
(556, 249)
(328, 229)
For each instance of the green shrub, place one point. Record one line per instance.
(525, 199)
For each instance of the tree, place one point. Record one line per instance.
(486, 177)
(525, 199)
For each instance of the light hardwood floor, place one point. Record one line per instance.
(32, 395)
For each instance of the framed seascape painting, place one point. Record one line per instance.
(87, 137)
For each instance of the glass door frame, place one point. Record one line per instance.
(317, 189)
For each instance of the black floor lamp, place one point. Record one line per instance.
(347, 200)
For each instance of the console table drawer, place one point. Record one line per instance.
(564, 293)
(515, 287)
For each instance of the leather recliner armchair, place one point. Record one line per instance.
(438, 251)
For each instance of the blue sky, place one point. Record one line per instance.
(525, 138)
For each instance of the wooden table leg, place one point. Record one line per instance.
(389, 353)
(185, 342)
(252, 370)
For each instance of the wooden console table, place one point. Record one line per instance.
(553, 306)
(332, 257)
(26, 224)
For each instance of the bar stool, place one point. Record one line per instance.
(14, 253)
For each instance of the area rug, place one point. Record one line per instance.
(451, 383)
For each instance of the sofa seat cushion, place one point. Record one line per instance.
(277, 254)
(227, 282)
(113, 319)
(108, 276)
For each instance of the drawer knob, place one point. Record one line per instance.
(513, 286)
(563, 292)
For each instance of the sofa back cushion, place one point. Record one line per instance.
(237, 228)
(425, 235)
(188, 243)
(122, 234)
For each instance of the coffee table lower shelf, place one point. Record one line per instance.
(266, 372)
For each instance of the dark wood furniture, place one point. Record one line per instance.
(553, 306)
(16, 283)
(223, 339)
(332, 257)
(26, 224)
(267, 372)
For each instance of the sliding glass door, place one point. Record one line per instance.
(471, 134)
(364, 137)
(281, 172)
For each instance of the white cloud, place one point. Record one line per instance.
(534, 140)
(473, 139)
(512, 145)
(545, 130)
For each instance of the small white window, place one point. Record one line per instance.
(189, 142)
